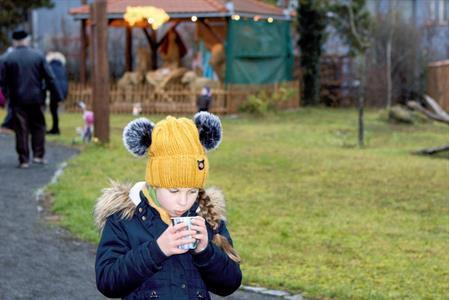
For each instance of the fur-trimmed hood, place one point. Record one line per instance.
(124, 198)
(57, 56)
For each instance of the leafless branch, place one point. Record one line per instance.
(437, 113)
(434, 150)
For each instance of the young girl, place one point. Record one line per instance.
(140, 254)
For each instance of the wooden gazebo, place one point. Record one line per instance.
(201, 10)
(211, 18)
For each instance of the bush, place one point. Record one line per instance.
(264, 102)
(254, 104)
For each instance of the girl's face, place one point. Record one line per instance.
(176, 201)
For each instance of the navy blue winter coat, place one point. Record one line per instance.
(25, 75)
(130, 264)
(60, 77)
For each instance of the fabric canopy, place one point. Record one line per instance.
(258, 52)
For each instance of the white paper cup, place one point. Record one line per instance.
(188, 222)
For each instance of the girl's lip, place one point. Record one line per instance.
(179, 213)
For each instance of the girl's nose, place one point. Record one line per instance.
(183, 200)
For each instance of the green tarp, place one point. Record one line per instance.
(258, 52)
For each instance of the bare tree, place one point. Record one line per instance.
(396, 61)
(356, 28)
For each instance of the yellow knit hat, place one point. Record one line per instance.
(176, 156)
(176, 148)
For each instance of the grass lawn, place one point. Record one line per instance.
(309, 212)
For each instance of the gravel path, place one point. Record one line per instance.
(38, 260)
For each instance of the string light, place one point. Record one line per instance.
(154, 16)
(270, 20)
(194, 18)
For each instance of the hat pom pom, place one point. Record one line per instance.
(137, 136)
(209, 128)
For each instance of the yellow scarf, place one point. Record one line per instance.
(152, 201)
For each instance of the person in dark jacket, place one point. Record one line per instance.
(57, 62)
(141, 254)
(22, 76)
(7, 121)
(204, 100)
(2, 99)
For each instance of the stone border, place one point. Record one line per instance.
(41, 195)
(276, 293)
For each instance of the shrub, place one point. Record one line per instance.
(264, 101)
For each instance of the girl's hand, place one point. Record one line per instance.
(199, 226)
(173, 237)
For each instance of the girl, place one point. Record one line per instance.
(140, 253)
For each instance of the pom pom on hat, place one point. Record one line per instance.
(176, 148)
(137, 136)
(209, 128)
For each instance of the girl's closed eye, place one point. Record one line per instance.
(194, 191)
(173, 191)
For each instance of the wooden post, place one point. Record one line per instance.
(83, 49)
(83, 52)
(92, 50)
(152, 42)
(129, 49)
(154, 49)
(100, 82)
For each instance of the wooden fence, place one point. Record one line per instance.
(438, 82)
(176, 98)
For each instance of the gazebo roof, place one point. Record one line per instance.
(187, 8)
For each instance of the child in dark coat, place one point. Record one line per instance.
(57, 62)
(141, 254)
(204, 100)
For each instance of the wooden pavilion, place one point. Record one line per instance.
(212, 18)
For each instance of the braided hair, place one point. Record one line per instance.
(209, 213)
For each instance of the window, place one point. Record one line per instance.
(439, 12)
(445, 10)
(432, 10)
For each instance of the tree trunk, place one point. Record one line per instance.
(434, 150)
(434, 112)
(311, 26)
(83, 49)
(388, 71)
(100, 83)
(360, 108)
(361, 103)
(129, 49)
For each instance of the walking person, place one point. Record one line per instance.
(2, 100)
(204, 100)
(142, 254)
(23, 74)
(7, 122)
(6, 125)
(57, 62)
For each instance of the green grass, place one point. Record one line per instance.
(309, 211)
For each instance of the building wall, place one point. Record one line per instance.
(431, 17)
(53, 23)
